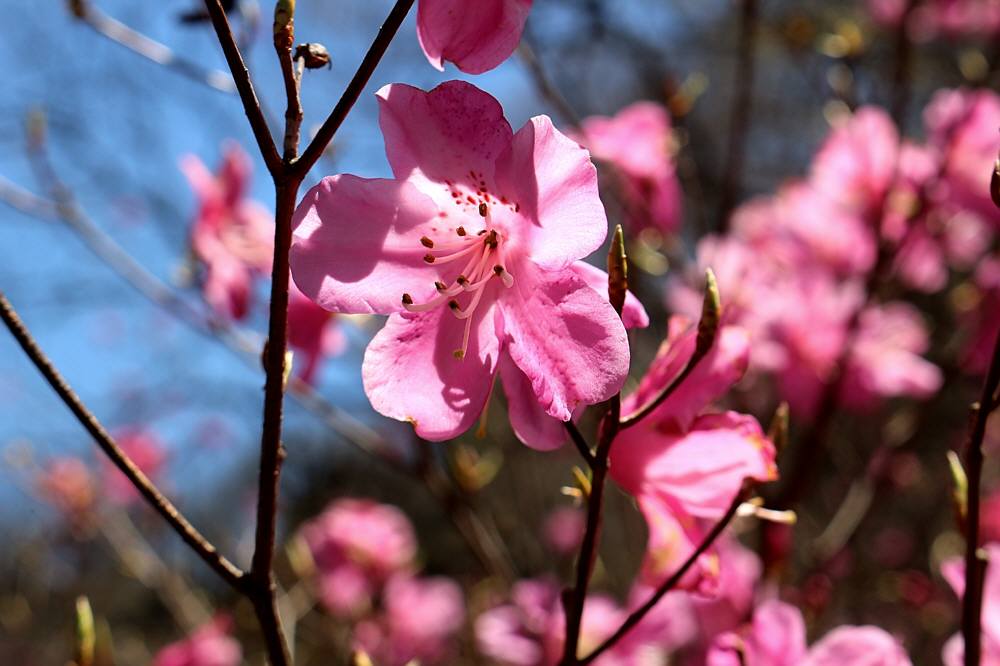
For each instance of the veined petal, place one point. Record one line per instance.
(356, 246)
(531, 424)
(453, 133)
(633, 314)
(565, 337)
(554, 183)
(475, 38)
(410, 372)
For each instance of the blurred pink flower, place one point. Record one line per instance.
(68, 485)
(739, 573)
(476, 39)
(685, 466)
(638, 142)
(313, 333)
(211, 645)
(949, 18)
(232, 236)
(519, 211)
(563, 529)
(953, 571)
(357, 546)
(982, 318)
(146, 451)
(777, 637)
(419, 620)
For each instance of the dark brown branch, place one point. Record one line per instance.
(740, 113)
(191, 536)
(972, 601)
(371, 60)
(580, 442)
(284, 38)
(251, 106)
(637, 615)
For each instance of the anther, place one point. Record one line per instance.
(426, 242)
(453, 304)
(460, 231)
(484, 210)
(481, 232)
(462, 280)
(440, 286)
(407, 299)
(429, 258)
(491, 240)
(498, 269)
(459, 354)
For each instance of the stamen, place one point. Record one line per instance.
(462, 280)
(508, 279)
(426, 242)
(429, 258)
(407, 299)
(472, 247)
(461, 231)
(484, 210)
(453, 304)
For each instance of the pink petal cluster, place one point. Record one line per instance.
(475, 37)
(473, 250)
(949, 18)
(418, 622)
(953, 571)
(357, 546)
(144, 449)
(530, 629)
(233, 238)
(683, 463)
(211, 645)
(638, 142)
(68, 485)
(794, 268)
(777, 637)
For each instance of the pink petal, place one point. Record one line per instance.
(633, 314)
(476, 39)
(670, 544)
(411, 374)
(714, 375)
(554, 185)
(566, 338)
(857, 646)
(357, 245)
(779, 634)
(453, 133)
(531, 424)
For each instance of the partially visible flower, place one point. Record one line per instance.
(211, 645)
(638, 142)
(418, 622)
(148, 454)
(232, 236)
(953, 571)
(357, 546)
(683, 464)
(739, 572)
(68, 485)
(475, 38)
(982, 317)
(473, 251)
(563, 529)
(948, 18)
(313, 333)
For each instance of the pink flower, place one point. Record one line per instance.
(983, 318)
(146, 451)
(68, 485)
(357, 546)
(419, 621)
(475, 38)
(313, 333)
(777, 637)
(637, 141)
(685, 466)
(953, 571)
(739, 572)
(211, 645)
(951, 18)
(563, 529)
(232, 236)
(473, 251)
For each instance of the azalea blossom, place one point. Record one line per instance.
(419, 621)
(211, 645)
(777, 637)
(683, 464)
(953, 571)
(312, 334)
(358, 545)
(473, 251)
(476, 38)
(638, 141)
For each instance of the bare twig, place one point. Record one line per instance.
(580, 442)
(191, 536)
(972, 601)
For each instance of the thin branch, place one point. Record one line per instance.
(284, 38)
(972, 601)
(191, 536)
(148, 48)
(741, 111)
(371, 60)
(637, 615)
(580, 442)
(251, 106)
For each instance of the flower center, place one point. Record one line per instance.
(484, 256)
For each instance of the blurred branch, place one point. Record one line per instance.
(740, 112)
(149, 49)
(902, 66)
(191, 536)
(637, 615)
